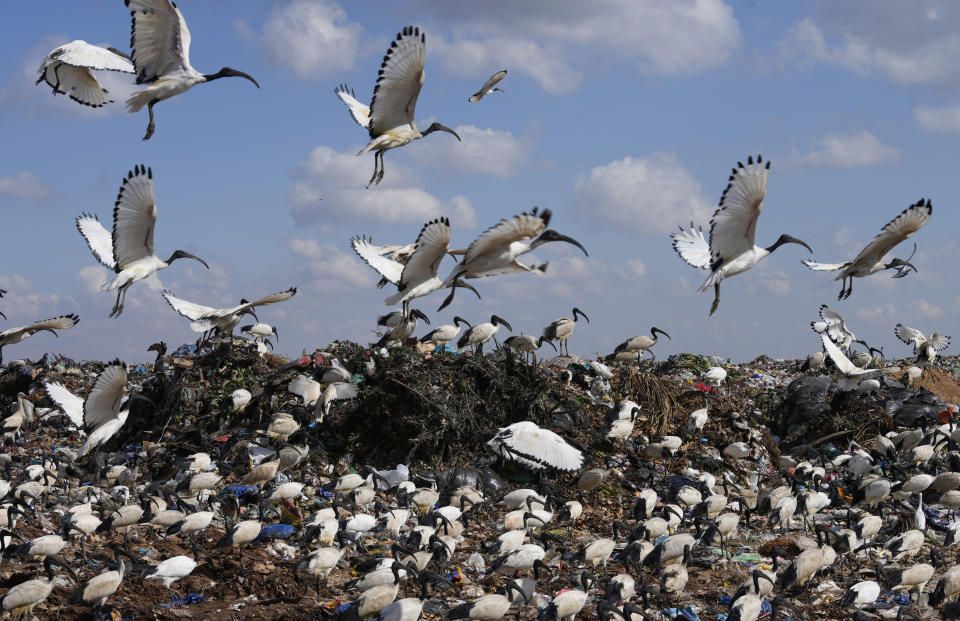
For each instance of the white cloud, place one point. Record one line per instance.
(927, 57)
(556, 44)
(486, 151)
(92, 277)
(22, 302)
(938, 119)
(330, 264)
(312, 37)
(647, 195)
(329, 185)
(768, 280)
(23, 185)
(929, 310)
(886, 312)
(847, 151)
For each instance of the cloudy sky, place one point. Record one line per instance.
(624, 117)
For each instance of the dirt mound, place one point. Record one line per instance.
(941, 383)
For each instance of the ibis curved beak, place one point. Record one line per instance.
(466, 285)
(442, 128)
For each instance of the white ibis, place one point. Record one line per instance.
(160, 47)
(260, 331)
(948, 587)
(925, 349)
(733, 228)
(129, 250)
(68, 70)
(561, 329)
(404, 328)
(498, 249)
(843, 364)
(488, 87)
(640, 344)
(103, 585)
(479, 334)
(207, 319)
(535, 448)
(835, 327)
(16, 335)
(418, 276)
(870, 259)
(441, 335)
(105, 410)
(170, 570)
(390, 116)
(21, 599)
(526, 343)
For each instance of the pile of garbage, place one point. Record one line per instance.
(427, 417)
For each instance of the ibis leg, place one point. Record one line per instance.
(151, 125)
(716, 298)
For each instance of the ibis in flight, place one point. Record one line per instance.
(206, 319)
(870, 259)
(733, 228)
(160, 44)
(15, 335)
(925, 349)
(498, 249)
(390, 116)
(68, 70)
(129, 250)
(417, 276)
(488, 87)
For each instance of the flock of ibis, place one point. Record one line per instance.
(871, 528)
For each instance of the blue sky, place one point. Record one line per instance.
(624, 117)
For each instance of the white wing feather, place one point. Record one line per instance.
(388, 268)
(431, 246)
(187, 309)
(825, 267)
(734, 225)
(398, 86)
(103, 403)
(160, 39)
(501, 235)
(843, 363)
(54, 323)
(134, 217)
(939, 342)
(71, 404)
(485, 89)
(536, 448)
(67, 70)
(908, 335)
(908, 222)
(359, 111)
(98, 239)
(692, 246)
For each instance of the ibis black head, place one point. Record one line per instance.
(438, 127)
(419, 313)
(577, 311)
(457, 320)
(551, 236)
(788, 239)
(227, 72)
(160, 348)
(902, 265)
(653, 333)
(495, 320)
(544, 339)
(182, 254)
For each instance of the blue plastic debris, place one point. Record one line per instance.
(342, 608)
(276, 531)
(903, 600)
(187, 600)
(140, 368)
(766, 607)
(241, 490)
(724, 600)
(448, 348)
(356, 378)
(686, 614)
